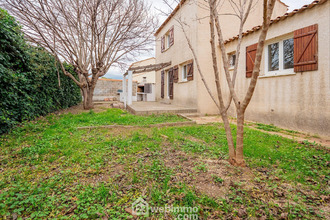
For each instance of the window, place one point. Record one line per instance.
(288, 53)
(273, 57)
(184, 73)
(279, 57)
(168, 40)
(232, 60)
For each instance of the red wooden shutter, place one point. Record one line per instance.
(251, 52)
(305, 49)
(175, 74)
(170, 73)
(163, 44)
(190, 71)
(162, 84)
(171, 36)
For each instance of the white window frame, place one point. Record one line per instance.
(183, 67)
(281, 70)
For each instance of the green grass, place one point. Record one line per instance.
(50, 169)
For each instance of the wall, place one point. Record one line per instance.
(193, 93)
(300, 101)
(108, 88)
(230, 28)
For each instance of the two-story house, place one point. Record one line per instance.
(293, 89)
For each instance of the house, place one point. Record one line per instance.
(146, 80)
(145, 77)
(293, 89)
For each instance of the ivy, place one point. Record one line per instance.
(29, 78)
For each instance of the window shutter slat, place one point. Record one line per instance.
(190, 71)
(251, 52)
(163, 44)
(176, 74)
(162, 84)
(306, 49)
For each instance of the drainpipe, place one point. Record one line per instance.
(124, 90)
(130, 87)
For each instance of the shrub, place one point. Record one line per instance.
(29, 78)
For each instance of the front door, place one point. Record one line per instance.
(170, 83)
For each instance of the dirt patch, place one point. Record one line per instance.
(218, 179)
(210, 177)
(108, 172)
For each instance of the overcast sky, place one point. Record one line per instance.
(117, 74)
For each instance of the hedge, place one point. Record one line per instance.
(29, 79)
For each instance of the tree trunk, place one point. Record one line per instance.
(229, 136)
(239, 160)
(88, 97)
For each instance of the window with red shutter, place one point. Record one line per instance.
(251, 52)
(306, 49)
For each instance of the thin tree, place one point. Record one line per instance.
(242, 9)
(92, 35)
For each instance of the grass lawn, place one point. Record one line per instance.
(51, 170)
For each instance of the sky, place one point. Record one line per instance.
(115, 73)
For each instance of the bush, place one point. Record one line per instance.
(29, 78)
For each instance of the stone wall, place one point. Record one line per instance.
(108, 89)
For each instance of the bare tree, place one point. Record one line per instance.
(241, 10)
(92, 35)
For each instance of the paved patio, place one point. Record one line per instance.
(149, 108)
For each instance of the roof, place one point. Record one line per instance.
(140, 61)
(113, 80)
(177, 9)
(280, 18)
(170, 16)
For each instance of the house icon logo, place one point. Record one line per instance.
(140, 207)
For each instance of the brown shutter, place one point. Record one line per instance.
(305, 49)
(251, 52)
(163, 44)
(190, 71)
(162, 84)
(176, 74)
(170, 73)
(171, 36)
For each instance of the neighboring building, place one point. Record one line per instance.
(293, 90)
(146, 81)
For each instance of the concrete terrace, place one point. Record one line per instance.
(149, 108)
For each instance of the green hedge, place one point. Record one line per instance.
(29, 79)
